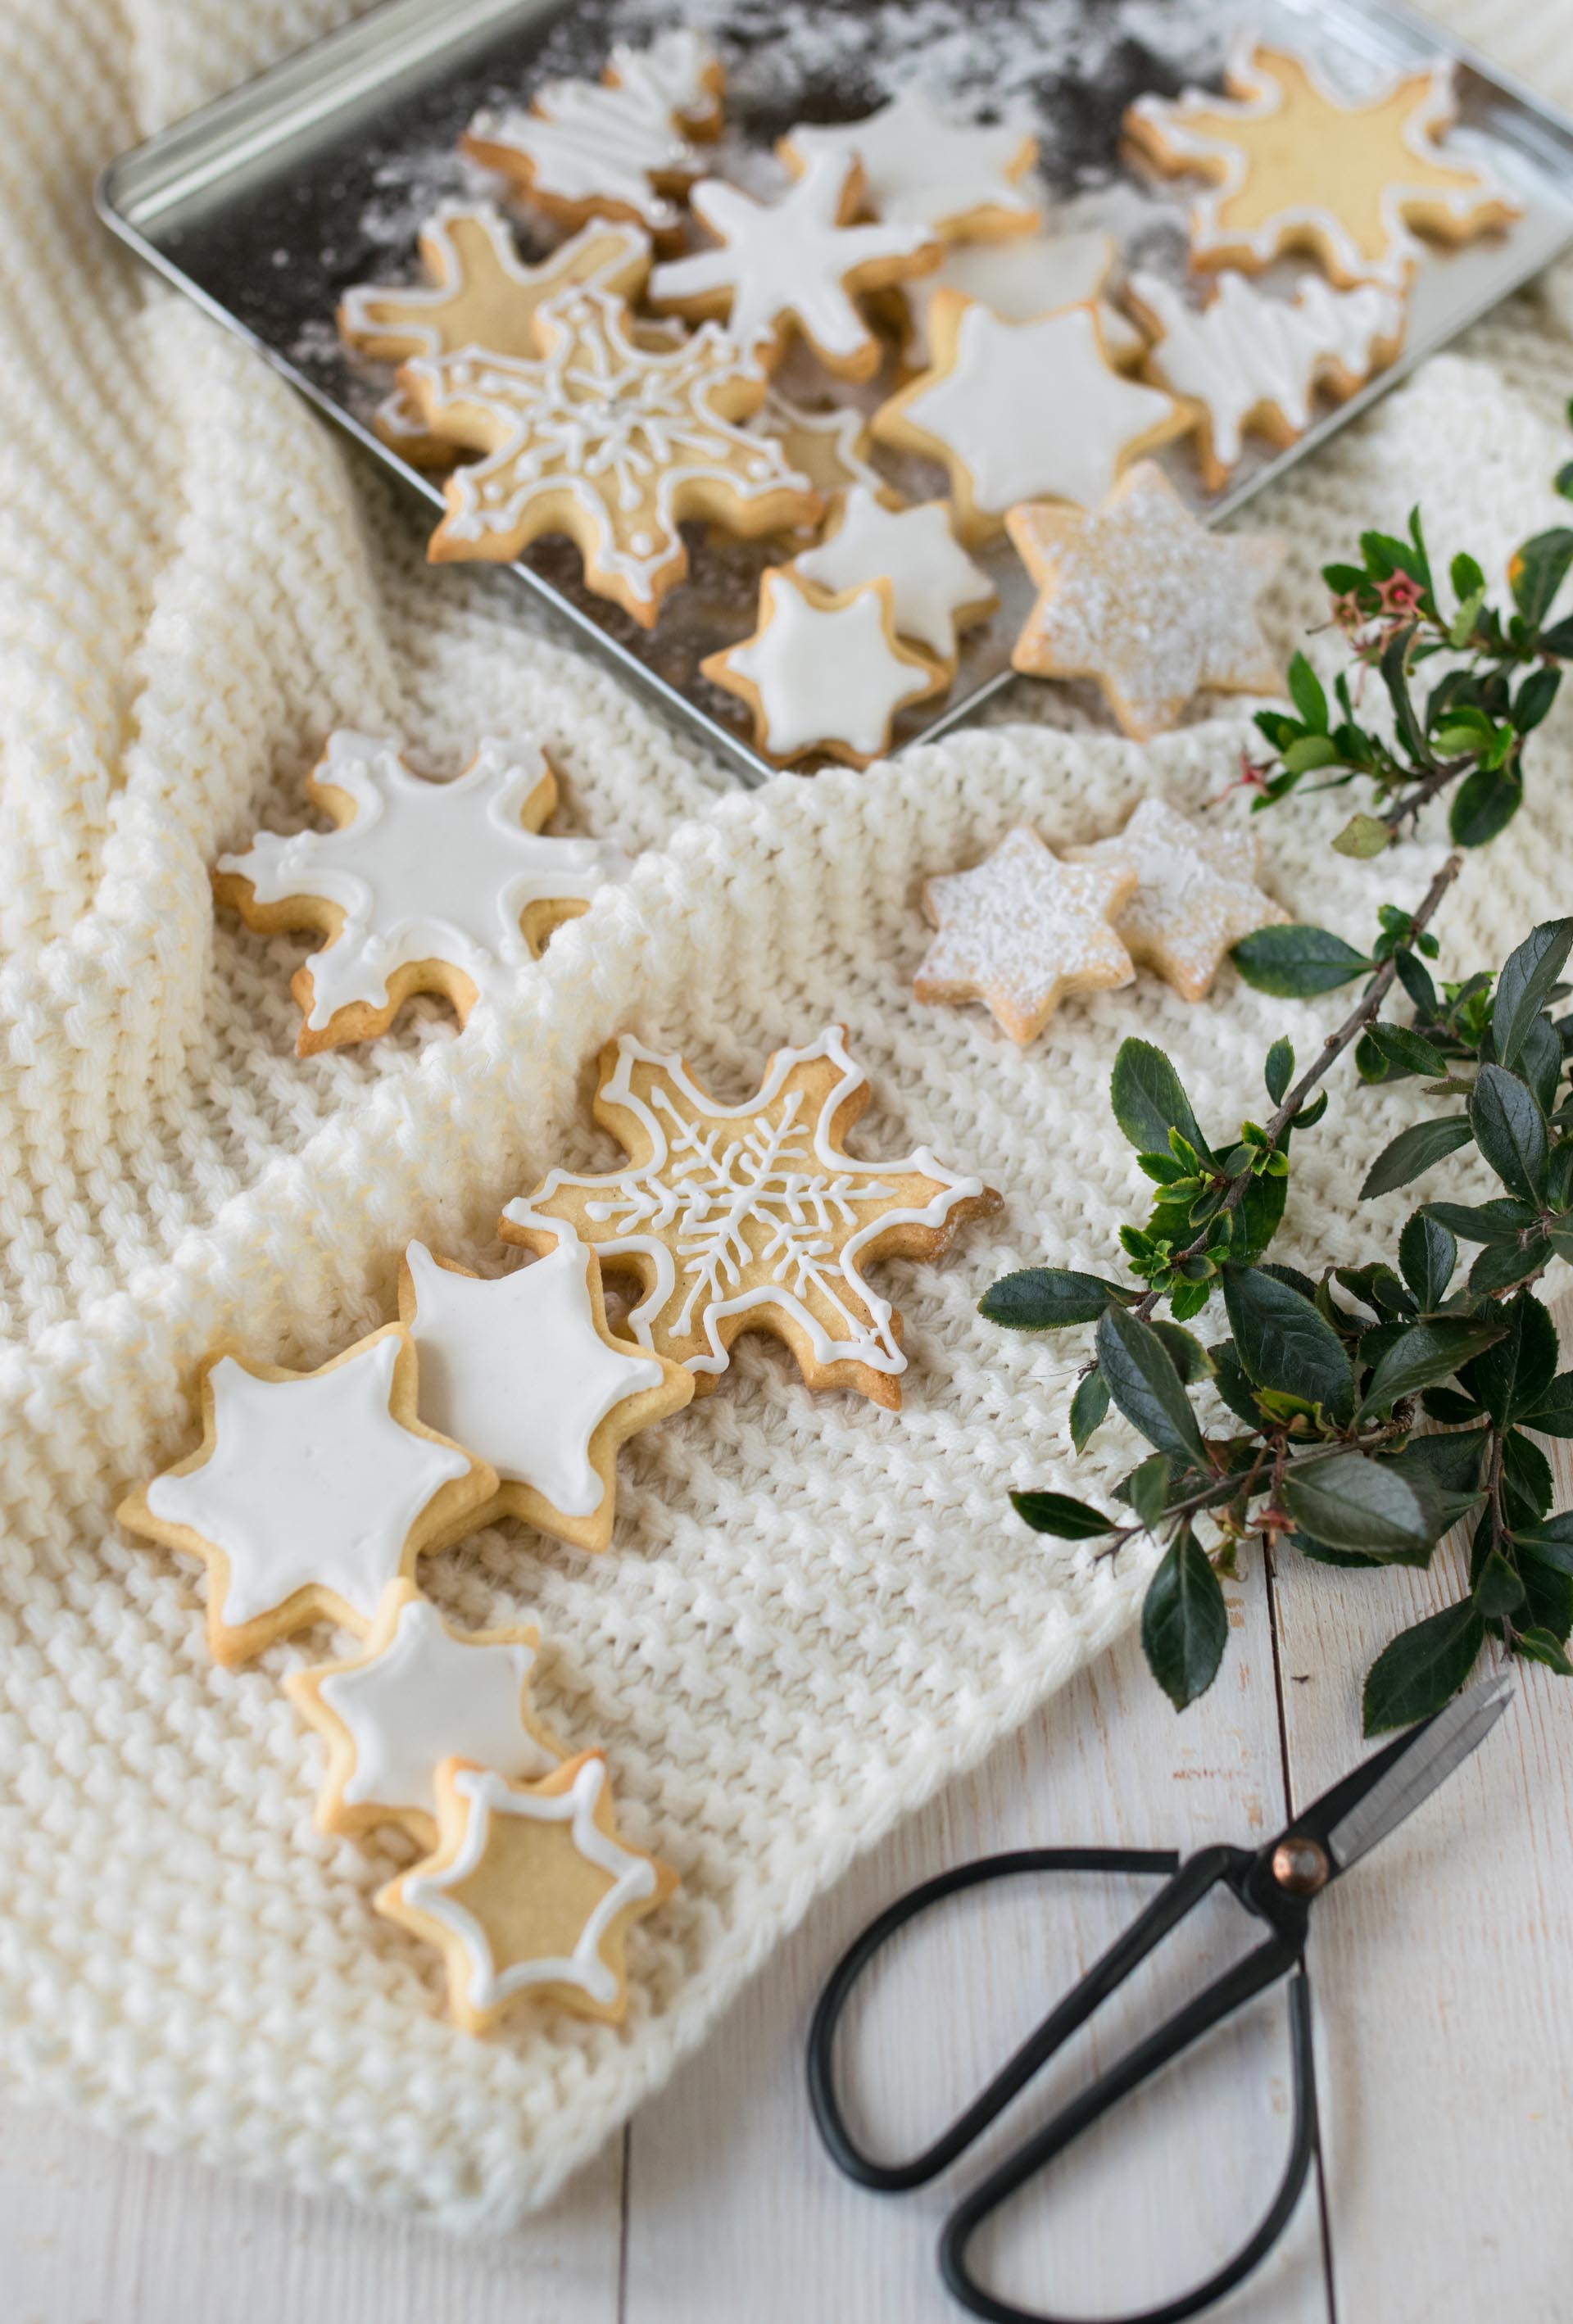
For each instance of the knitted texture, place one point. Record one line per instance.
(814, 1611)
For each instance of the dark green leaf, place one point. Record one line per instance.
(1539, 1061)
(1499, 1220)
(1423, 1668)
(1484, 804)
(1296, 1279)
(1353, 1502)
(1522, 989)
(1189, 1358)
(1510, 1130)
(1185, 1624)
(1145, 1386)
(1511, 1378)
(1415, 1149)
(1428, 1256)
(1534, 698)
(1056, 1513)
(1408, 1051)
(1258, 1217)
(1540, 1646)
(1553, 1413)
(1443, 1464)
(1230, 1381)
(1447, 1407)
(1089, 1407)
(1552, 1542)
(1323, 1556)
(1046, 1299)
(1149, 1102)
(1500, 1265)
(1279, 1069)
(1528, 1489)
(1395, 669)
(1294, 963)
(1547, 1594)
(1416, 980)
(1283, 1343)
(1422, 1357)
(1537, 570)
(1147, 1489)
(1498, 1588)
(1305, 690)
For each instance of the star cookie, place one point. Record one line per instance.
(425, 886)
(610, 442)
(792, 265)
(421, 1693)
(824, 673)
(310, 1492)
(935, 589)
(532, 1889)
(753, 1217)
(526, 1369)
(481, 294)
(1195, 893)
(1022, 930)
(1248, 361)
(1020, 411)
(1141, 597)
(1293, 165)
(830, 447)
(612, 148)
(960, 179)
(1030, 275)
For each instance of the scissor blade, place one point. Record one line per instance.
(1411, 1770)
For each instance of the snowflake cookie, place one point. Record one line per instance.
(310, 1492)
(829, 446)
(1140, 596)
(962, 180)
(616, 147)
(532, 1890)
(1022, 411)
(610, 442)
(753, 1217)
(481, 294)
(1250, 361)
(527, 1371)
(1295, 164)
(1195, 893)
(935, 589)
(1030, 275)
(425, 887)
(419, 1694)
(1022, 930)
(792, 265)
(825, 673)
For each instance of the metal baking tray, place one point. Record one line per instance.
(266, 205)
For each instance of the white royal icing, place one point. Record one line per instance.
(833, 457)
(782, 1174)
(932, 576)
(429, 1696)
(605, 141)
(309, 1480)
(1033, 412)
(826, 674)
(632, 1877)
(1024, 275)
(424, 869)
(515, 1368)
(787, 259)
(613, 246)
(924, 168)
(1246, 348)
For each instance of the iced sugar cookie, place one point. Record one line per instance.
(967, 180)
(1140, 596)
(419, 1694)
(425, 886)
(608, 442)
(618, 147)
(532, 1890)
(1021, 931)
(481, 294)
(309, 1493)
(935, 589)
(1248, 361)
(1295, 164)
(396, 423)
(1022, 411)
(754, 1217)
(1029, 275)
(795, 264)
(824, 672)
(526, 1369)
(828, 446)
(1194, 894)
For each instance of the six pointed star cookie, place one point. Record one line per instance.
(1030, 275)
(824, 672)
(532, 1889)
(1021, 930)
(527, 1371)
(1195, 893)
(419, 1694)
(935, 589)
(1141, 597)
(1295, 165)
(830, 447)
(481, 294)
(610, 442)
(753, 1217)
(961, 178)
(310, 1492)
(1022, 411)
(425, 886)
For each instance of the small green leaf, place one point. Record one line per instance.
(1147, 1489)
(1423, 1668)
(1413, 1150)
(1510, 1130)
(1537, 570)
(1046, 1299)
(1294, 963)
(1500, 1219)
(1465, 575)
(1552, 1414)
(1305, 691)
(1551, 1542)
(1185, 1624)
(1362, 837)
(1485, 804)
(1190, 1359)
(1423, 1356)
(1149, 1102)
(1408, 1050)
(1284, 1343)
(1428, 1257)
(1510, 1379)
(1534, 698)
(1280, 1068)
(1308, 752)
(1502, 1264)
(1524, 985)
(1527, 1484)
(1089, 1407)
(1353, 1502)
(1146, 1387)
(1056, 1513)
(1538, 1646)
(1498, 1588)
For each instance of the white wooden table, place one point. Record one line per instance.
(1442, 1971)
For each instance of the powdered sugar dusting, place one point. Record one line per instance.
(1021, 930)
(1196, 893)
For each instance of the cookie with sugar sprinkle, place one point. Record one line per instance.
(1022, 930)
(1195, 893)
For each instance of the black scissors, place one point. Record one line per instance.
(1277, 1884)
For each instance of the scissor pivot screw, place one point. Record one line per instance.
(1300, 1867)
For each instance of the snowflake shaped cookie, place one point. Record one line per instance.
(532, 1890)
(419, 1694)
(610, 442)
(935, 589)
(481, 294)
(527, 1371)
(1029, 275)
(795, 264)
(1140, 596)
(1024, 411)
(963, 180)
(616, 147)
(1021, 931)
(425, 887)
(1195, 893)
(753, 1217)
(1294, 164)
(824, 673)
(830, 447)
(310, 1492)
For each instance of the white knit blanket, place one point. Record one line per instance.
(817, 1611)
